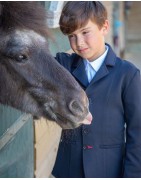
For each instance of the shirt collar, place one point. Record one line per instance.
(96, 64)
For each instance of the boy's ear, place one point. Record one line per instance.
(106, 27)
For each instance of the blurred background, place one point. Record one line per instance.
(124, 35)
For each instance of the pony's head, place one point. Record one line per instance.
(31, 80)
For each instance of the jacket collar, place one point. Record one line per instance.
(110, 59)
(80, 73)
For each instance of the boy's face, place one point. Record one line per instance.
(88, 41)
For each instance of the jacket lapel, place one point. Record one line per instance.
(104, 69)
(80, 73)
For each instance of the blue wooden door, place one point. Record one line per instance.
(16, 144)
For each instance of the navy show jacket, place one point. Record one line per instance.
(101, 150)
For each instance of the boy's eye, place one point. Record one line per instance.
(71, 36)
(85, 32)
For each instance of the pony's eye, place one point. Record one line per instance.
(21, 58)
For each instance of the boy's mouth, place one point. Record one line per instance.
(82, 50)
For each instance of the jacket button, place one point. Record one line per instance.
(84, 147)
(85, 131)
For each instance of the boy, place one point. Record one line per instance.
(111, 146)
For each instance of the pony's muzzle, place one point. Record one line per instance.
(78, 110)
(88, 119)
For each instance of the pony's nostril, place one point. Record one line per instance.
(75, 107)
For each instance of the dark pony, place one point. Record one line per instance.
(31, 80)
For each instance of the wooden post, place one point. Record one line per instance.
(47, 137)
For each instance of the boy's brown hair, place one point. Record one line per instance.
(76, 14)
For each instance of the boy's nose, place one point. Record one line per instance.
(79, 41)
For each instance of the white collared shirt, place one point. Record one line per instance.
(93, 67)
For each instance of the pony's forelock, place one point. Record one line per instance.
(23, 14)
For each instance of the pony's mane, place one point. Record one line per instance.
(23, 15)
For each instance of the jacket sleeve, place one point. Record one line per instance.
(65, 60)
(132, 106)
